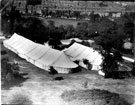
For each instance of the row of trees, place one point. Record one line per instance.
(109, 34)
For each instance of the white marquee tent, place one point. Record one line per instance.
(40, 55)
(8, 43)
(80, 52)
(37, 53)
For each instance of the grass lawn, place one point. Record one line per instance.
(41, 88)
(59, 22)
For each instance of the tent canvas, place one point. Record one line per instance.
(48, 58)
(57, 59)
(40, 55)
(19, 46)
(63, 64)
(11, 45)
(37, 53)
(26, 49)
(7, 43)
(80, 52)
(17, 43)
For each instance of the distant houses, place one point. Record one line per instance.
(102, 8)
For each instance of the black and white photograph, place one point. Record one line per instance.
(67, 52)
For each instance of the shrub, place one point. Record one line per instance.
(75, 70)
(87, 63)
(110, 64)
(53, 71)
(59, 78)
(3, 52)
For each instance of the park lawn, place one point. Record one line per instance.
(41, 88)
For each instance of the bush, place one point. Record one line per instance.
(3, 52)
(75, 70)
(59, 78)
(53, 71)
(87, 63)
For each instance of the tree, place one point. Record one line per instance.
(94, 17)
(33, 29)
(69, 31)
(77, 14)
(87, 63)
(62, 31)
(81, 30)
(32, 3)
(129, 27)
(55, 43)
(110, 64)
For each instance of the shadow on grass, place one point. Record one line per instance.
(93, 97)
(19, 99)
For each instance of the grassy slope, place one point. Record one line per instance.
(41, 88)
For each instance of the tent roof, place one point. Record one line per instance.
(63, 61)
(12, 40)
(56, 58)
(44, 55)
(27, 47)
(38, 52)
(49, 57)
(80, 52)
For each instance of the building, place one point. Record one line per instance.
(100, 7)
(20, 5)
(83, 6)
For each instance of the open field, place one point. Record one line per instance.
(59, 22)
(41, 88)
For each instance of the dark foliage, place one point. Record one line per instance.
(87, 63)
(53, 71)
(72, 42)
(75, 70)
(55, 43)
(133, 70)
(77, 62)
(3, 52)
(59, 78)
(33, 29)
(34, 2)
(110, 64)
(10, 75)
